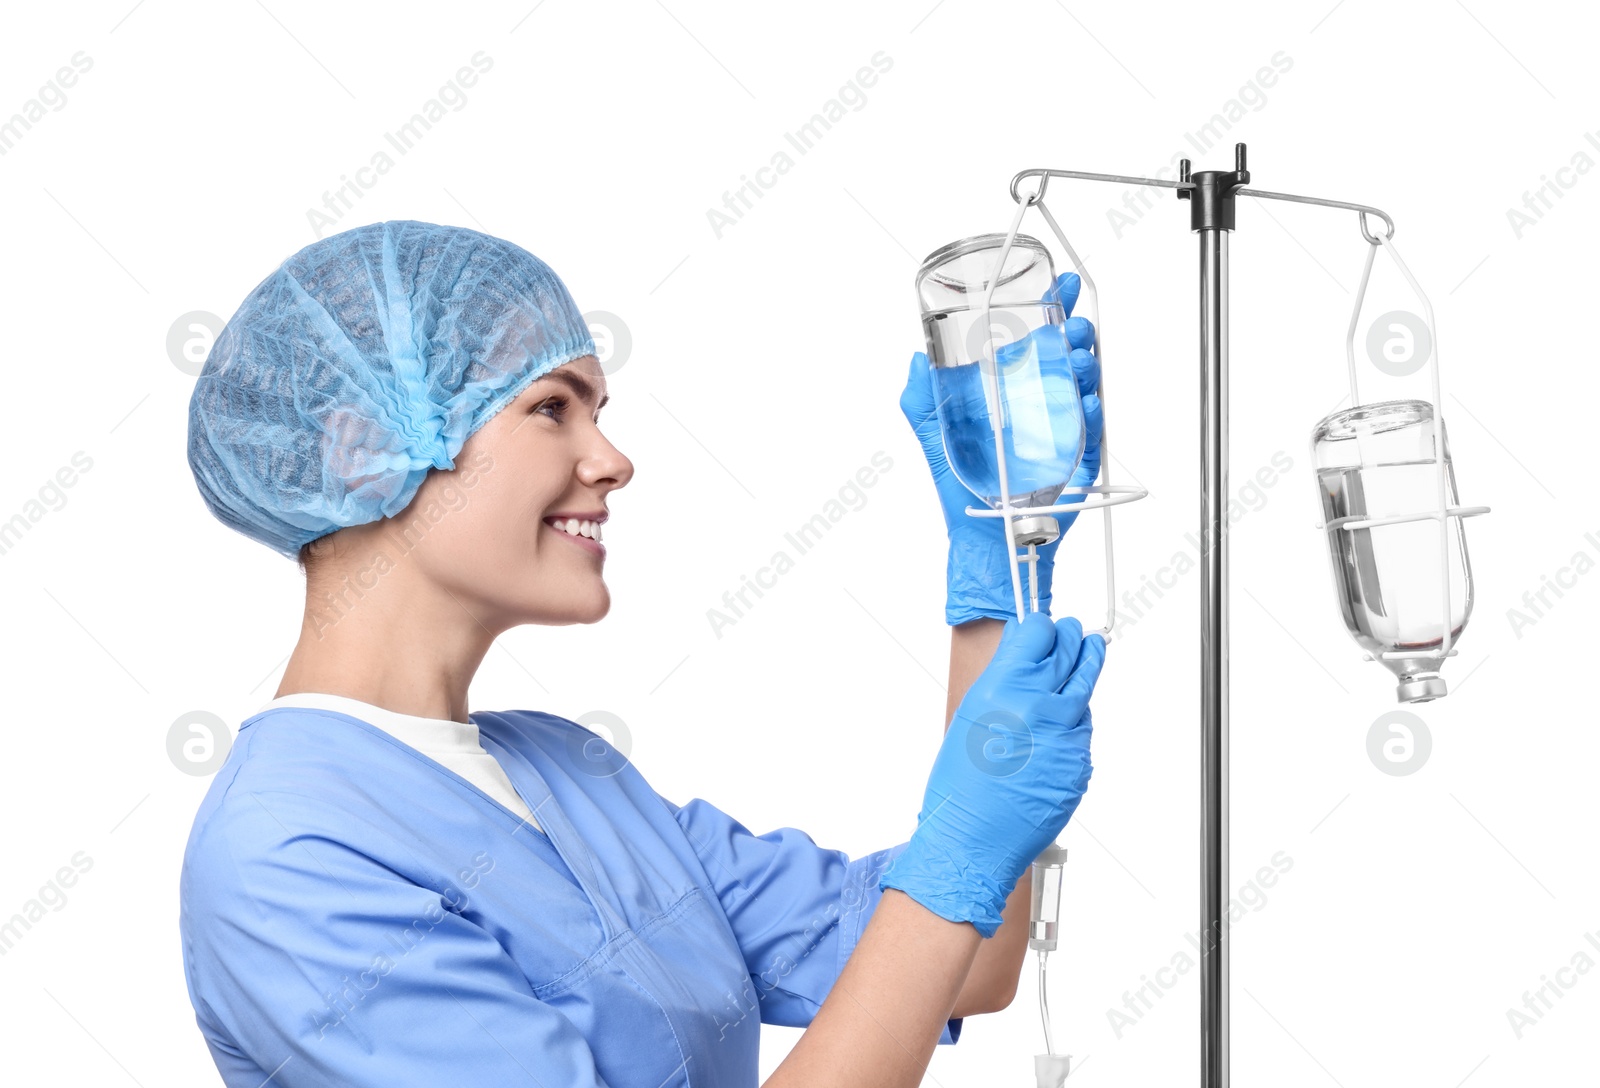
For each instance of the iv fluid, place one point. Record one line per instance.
(1043, 428)
(1388, 576)
(1380, 461)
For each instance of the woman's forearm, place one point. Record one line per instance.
(997, 968)
(992, 981)
(882, 1020)
(912, 970)
(972, 647)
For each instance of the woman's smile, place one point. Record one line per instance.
(582, 530)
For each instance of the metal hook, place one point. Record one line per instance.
(1044, 183)
(1367, 234)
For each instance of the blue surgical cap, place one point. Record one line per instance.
(367, 359)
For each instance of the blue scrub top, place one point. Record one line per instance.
(353, 913)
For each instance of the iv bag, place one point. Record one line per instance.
(1374, 463)
(1021, 353)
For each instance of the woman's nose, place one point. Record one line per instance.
(605, 463)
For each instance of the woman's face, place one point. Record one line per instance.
(493, 531)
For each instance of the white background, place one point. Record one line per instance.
(764, 371)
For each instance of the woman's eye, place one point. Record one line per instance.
(558, 405)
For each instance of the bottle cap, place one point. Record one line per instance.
(1421, 689)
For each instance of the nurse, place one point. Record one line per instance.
(381, 889)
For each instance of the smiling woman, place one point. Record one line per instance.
(500, 550)
(381, 888)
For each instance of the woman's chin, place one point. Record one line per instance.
(589, 609)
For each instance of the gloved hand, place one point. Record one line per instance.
(978, 568)
(1010, 773)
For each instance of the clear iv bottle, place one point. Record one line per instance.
(1024, 345)
(1377, 461)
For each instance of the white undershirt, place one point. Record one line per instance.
(454, 745)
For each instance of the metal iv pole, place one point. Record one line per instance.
(1211, 216)
(1211, 195)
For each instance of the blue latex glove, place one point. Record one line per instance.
(1011, 771)
(978, 569)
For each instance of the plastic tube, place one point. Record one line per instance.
(1044, 1005)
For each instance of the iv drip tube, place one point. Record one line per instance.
(1044, 1005)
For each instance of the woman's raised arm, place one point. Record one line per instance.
(1013, 765)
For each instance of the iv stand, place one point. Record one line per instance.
(1211, 195)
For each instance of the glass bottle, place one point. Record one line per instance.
(1021, 354)
(1376, 461)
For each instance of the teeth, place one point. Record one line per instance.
(575, 527)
